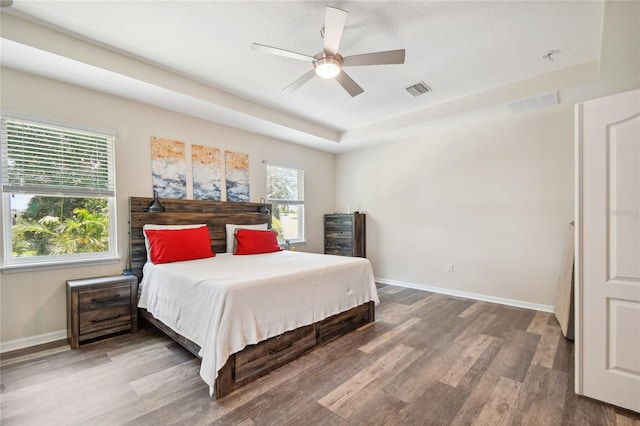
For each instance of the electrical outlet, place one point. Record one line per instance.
(450, 267)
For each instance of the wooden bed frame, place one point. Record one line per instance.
(254, 361)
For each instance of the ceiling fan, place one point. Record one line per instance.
(328, 63)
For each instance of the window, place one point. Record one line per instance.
(58, 193)
(285, 192)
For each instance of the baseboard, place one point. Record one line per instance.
(27, 342)
(474, 296)
(40, 339)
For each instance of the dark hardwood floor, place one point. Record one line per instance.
(429, 359)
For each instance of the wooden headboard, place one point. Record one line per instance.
(216, 214)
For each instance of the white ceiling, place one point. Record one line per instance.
(475, 55)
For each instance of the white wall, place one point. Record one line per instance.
(33, 303)
(494, 199)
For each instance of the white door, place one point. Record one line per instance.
(608, 249)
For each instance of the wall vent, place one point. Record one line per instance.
(541, 101)
(418, 89)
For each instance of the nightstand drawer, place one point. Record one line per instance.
(105, 321)
(98, 299)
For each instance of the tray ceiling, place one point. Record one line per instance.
(475, 56)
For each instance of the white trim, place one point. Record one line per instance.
(62, 334)
(63, 264)
(467, 295)
(577, 271)
(27, 342)
(13, 115)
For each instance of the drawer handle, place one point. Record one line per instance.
(106, 319)
(275, 351)
(106, 299)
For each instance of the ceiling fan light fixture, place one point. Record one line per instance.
(328, 63)
(328, 67)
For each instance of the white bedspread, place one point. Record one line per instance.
(227, 302)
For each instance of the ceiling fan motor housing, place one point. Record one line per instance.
(327, 65)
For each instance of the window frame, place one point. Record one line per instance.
(299, 201)
(10, 263)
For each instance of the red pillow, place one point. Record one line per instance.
(251, 241)
(175, 245)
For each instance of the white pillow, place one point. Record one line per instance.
(231, 232)
(152, 226)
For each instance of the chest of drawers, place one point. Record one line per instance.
(101, 306)
(345, 234)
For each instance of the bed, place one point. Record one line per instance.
(245, 316)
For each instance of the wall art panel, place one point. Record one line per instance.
(237, 176)
(168, 168)
(207, 175)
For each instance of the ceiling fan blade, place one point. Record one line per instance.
(299, 82)
(376, 58)
(281, 52)
(348, 84)
(333, 27)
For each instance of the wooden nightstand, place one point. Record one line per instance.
(101, 306)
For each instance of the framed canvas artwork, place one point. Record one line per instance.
(168, 168)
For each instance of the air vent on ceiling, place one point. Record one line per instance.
(541, 101)
(418, 89)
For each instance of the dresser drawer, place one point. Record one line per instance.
(337, 246)
(339, 251)
(331, 234)
(98, 299)
(339, 221)
(257, 360)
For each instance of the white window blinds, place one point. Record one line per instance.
(43, 159)
(285, 185)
